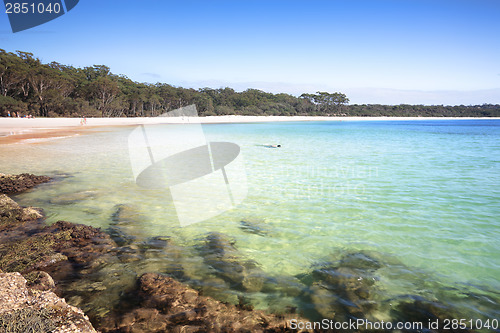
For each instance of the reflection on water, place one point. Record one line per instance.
(355, 219)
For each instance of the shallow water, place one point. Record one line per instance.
(422, 197)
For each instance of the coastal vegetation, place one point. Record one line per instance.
(30, 87)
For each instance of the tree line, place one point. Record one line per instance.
(30, 87)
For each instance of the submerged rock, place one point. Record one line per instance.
(342, 289)
(127, 224)
(28, 310)
(72, 198)
(98, 292)
(10, 184)
(256, 227)
(157, 243)
(416, 309)
(167, 305)
(220, 253)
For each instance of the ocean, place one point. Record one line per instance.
(412, 206)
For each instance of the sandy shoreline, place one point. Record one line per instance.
(21, 129)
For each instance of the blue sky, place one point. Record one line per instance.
(375, 51)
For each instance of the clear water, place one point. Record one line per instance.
(425, 195)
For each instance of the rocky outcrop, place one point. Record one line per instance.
(12, 214)
(24, 309)
(10, 184)
(169, 306)
(50, 248)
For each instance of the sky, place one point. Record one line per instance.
(374, 51)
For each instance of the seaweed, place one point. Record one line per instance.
(27, 320)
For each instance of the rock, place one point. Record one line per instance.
(126, 214)
(40, 280)
(168, 305)
(324, 301)
(30, 310)
(341, 289)
(101, 289)
(28, 254)
(71, 198)
(80, 243)
(52, 245)
(288, 286)
(417, 309)
(12, 213)
(253, 281)
(219, 244)
(126, 225)
(360, 261)
(10, 184)
(31, 213)
(158, 243)
(256, 227)
(220, 253)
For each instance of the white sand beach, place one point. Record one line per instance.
(24, 129)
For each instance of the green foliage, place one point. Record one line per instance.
(10, 104)
(28, 86)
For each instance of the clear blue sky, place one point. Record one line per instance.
(387, 51)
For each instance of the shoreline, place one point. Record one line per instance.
(14, 130)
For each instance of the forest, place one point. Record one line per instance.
(30, 87)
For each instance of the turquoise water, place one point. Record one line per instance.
(423, 196)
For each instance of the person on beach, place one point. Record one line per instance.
(8, 113)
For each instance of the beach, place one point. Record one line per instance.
(35, 129)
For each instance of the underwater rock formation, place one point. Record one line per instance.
(341, 289)
(220, 254)
(125, 221)
(74, 197)
(416, 309)
(254, 226)
(167, 305)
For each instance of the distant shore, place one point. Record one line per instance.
(20, 129)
